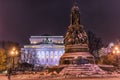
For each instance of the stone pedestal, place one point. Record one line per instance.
(76, 54)
(76, 58)
(76, 48)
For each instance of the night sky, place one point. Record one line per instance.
(19, 19)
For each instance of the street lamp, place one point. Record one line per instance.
(14, 53)
(116, 51)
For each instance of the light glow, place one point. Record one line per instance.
(118, 51)
(116, 48)
(14, 52)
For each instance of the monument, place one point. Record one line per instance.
(76, 41)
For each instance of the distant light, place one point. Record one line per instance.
(113, 51)
(12, 52)
(34, 42)
(118, 51)
(14, 49)
(16, 52)
(116, 48)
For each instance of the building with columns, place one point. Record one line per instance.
(43, 50)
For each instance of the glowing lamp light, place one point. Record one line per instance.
(114, 52)
(12, 53)
(116, 48)
(16, 52)
(118, 51)
(14, 49)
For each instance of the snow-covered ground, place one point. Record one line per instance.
(47, 77)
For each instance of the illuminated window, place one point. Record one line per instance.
(47, 54)
(43, 52)
(42, 56)
(60, 52)
(51, 59)
(26, 51)
(38, 54)
(51, 56)
(51, 51)
(43, 60)
(47, 60)
(56, 60)
(56, 52)
(56, 56)
(47, 51)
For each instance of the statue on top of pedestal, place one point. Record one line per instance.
(75, 33)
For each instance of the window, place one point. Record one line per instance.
(51, 59)
(46, 60)
(42, 60)
(56, 52)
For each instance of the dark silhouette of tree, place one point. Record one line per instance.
(26, 66)
(2, 60)
(95, 43)
(109, 59)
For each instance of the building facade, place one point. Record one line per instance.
(43, 50)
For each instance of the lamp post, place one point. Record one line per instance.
(116, 51)
(14, 53)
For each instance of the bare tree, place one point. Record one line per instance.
(95, 43)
